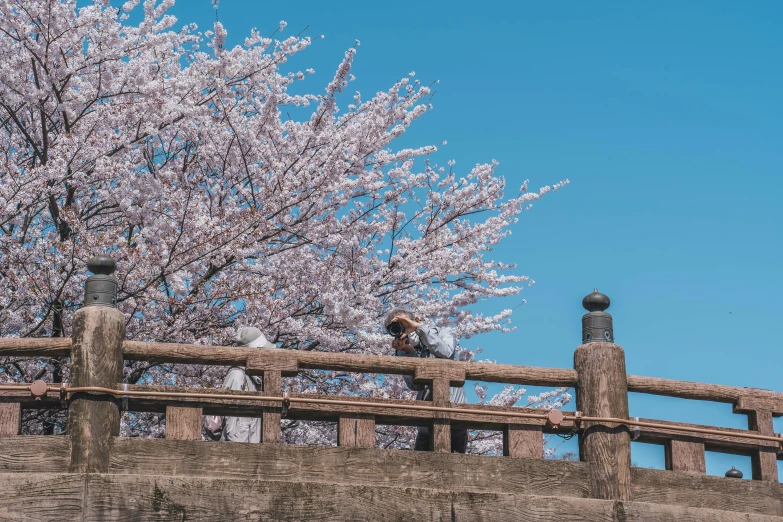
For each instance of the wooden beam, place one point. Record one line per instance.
(711, 441)
(34, 454)
(704, 491)
(38, 347)
(331, 412)
(349, 466)
(523, 441)
(224, 355)
(686, 457)
(602, 392)
(10, 419)
(701, 391)
(763, 460)
(96, 360)
(356, 431)
(271, 416)
(183, 423)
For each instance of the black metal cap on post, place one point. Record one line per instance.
(734, 473)
(100, 289)
(596, 324)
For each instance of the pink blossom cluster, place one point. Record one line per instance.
(177, 155)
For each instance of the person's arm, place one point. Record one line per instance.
(439, 341)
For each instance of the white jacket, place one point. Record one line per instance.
(241, 429)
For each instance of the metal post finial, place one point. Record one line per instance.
(597, 324)
(100, 289)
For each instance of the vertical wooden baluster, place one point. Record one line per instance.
(10, 418)
(686, 457)
(763, 460)
(270, 422)
(183, 423)
(356, 431)
(523, 440)
(441, 427)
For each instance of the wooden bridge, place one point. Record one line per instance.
(94, 474)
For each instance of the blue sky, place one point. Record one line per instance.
(667, 120)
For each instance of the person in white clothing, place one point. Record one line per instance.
(244, 429)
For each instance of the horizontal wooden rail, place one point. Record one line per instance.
(404, 409)
(386, 364)
(35, 347)
(744, 399)
(753, 398)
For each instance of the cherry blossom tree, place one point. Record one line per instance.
(180, 157)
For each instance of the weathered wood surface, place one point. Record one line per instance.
(41, 496)
(523, 440)
(349, 466)
(763, 460)
(34, 454)
(356, 431)
(706, 392)
(712, 442)
(35, 347)
(763, 402)
(331, 412)
(270, 418)
(254, 360)
(601, 391)
(96, 360)
(704, 491)
(249, 489)
(103, 497)
(183, 423)
(142, 498)
(686, 457)
(10, 418)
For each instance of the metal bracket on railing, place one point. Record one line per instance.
(63, 394)
(578, 419)
(554, 418)
(38, 389)
(635, 430)
(286, 404)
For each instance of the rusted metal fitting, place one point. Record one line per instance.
(286, 404)
(578, 419)
(38, 389)
(554, 418)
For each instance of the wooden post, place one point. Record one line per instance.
(523, 440)
(183, 423)
(96, 360)
(10, 418)
(686, 457)
(441, 376)
(441, 428)
(270, 421)
(356, 431)
(602, 390)
(763, 460)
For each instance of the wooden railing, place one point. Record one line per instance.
(98, 348)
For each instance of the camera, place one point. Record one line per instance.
(395, 329)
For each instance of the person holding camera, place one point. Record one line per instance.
(414, 339)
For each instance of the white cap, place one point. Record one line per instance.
(252, 337)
